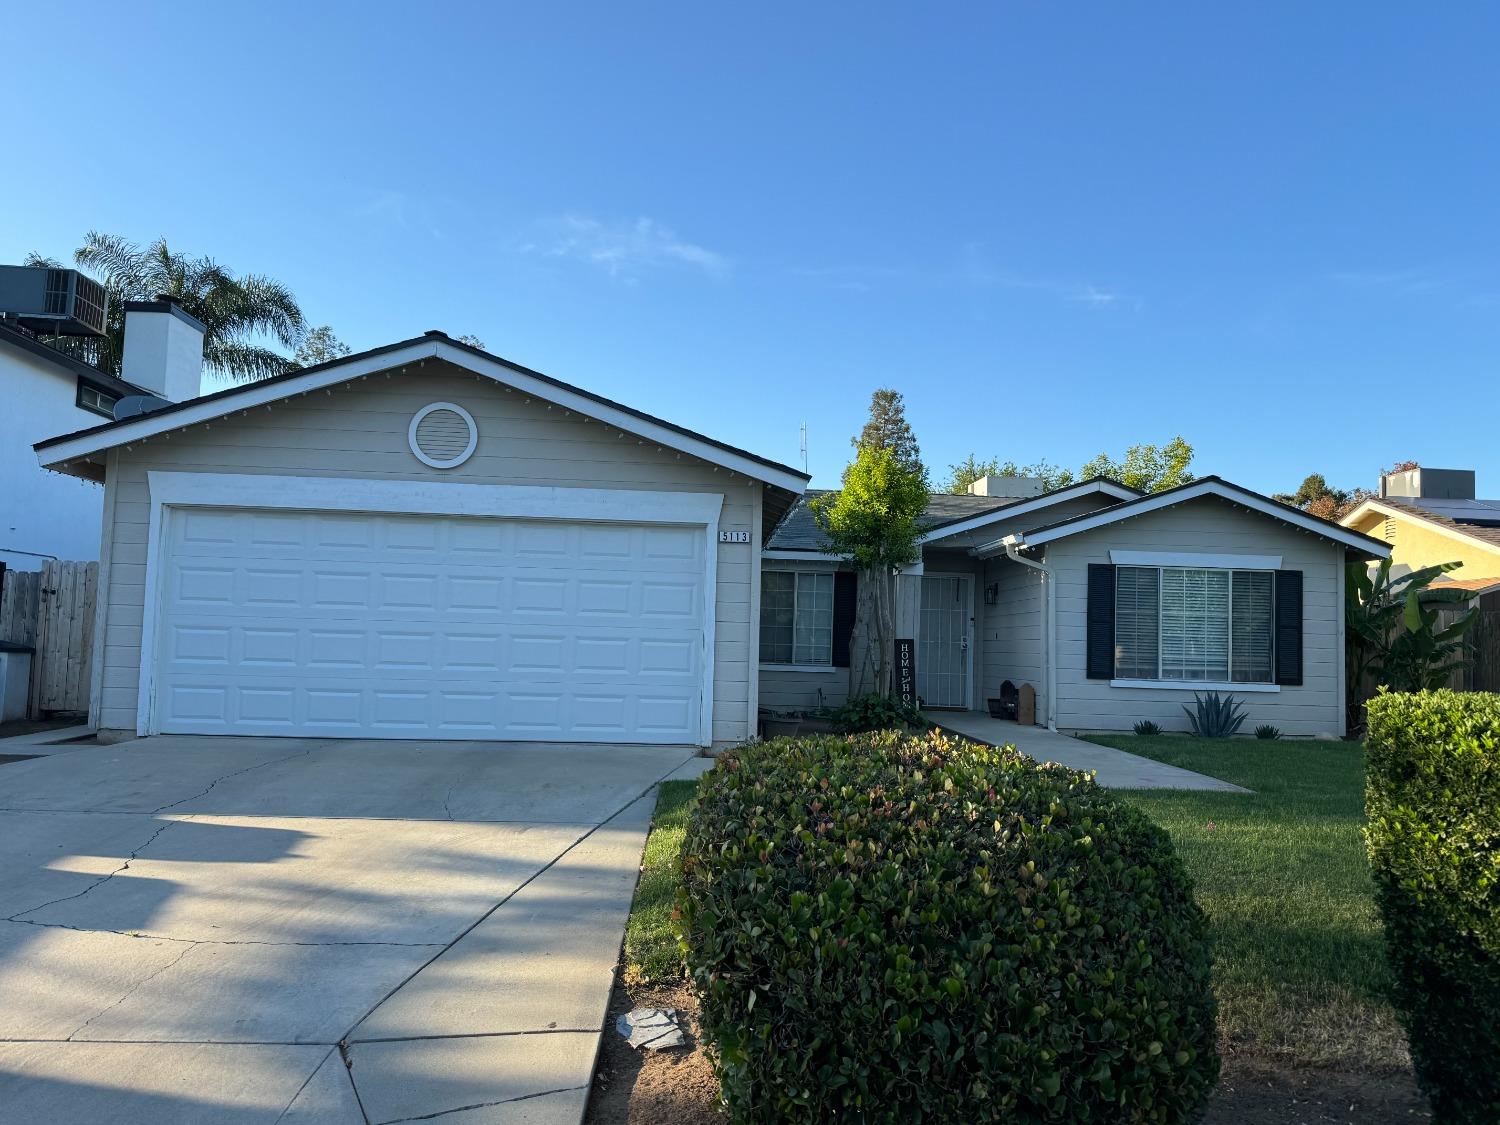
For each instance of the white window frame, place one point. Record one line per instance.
(1160, 563)
(798, 575)
(95, 401)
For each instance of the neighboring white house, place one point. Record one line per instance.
(1114, 606)
(426, 541)
(45, 514)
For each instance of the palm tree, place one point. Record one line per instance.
(237, 312)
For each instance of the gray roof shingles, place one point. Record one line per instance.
(798, 531)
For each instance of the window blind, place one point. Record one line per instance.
(1250, 627)
(1136, 601)
(1194, 624)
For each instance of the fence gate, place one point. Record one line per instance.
(65, 630)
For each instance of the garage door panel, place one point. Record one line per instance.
(456, 543)
(245, 646)
(406, 626)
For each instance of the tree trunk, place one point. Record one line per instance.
(872, 643)
(882, 627)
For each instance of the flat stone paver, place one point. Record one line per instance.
(189, 927)
(1114, 769)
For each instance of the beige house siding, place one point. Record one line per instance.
(1011, 631)
(1208, 526)
(784, 688)
(1005, 636)
(360, 430)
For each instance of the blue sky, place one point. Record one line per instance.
(1057, 229)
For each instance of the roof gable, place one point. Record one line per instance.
(1474, 521)
(1204, 486)
(947, 513)
(58, 452)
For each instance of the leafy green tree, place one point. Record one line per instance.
(887, 428)
(874, 520)
(1317, 497)
(1391, 635)
(972, 468)
(320, 345)
(1146, 467)
(472, 340)
(237, 311)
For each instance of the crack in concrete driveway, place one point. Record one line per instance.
(442, 917)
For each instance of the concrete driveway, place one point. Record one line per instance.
(246, 930)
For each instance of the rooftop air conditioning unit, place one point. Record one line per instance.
(53, 302)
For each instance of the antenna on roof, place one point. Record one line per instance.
(804, 447)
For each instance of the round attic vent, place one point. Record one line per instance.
(443, 435)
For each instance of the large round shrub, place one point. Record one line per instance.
(898, 928)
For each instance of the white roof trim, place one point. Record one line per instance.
(1396, 510)
(782, 554)
(1181, 496)
(149, 425)
(1024, 507)
(1192, 559)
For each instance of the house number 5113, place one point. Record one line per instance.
(734, 537)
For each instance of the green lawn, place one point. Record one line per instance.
(1299, 964)
(651, 952)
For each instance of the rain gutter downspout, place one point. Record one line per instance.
(1013, 544)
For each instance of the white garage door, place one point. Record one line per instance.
(429, 627)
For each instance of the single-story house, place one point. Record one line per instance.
(427, 541)
(1113, 605)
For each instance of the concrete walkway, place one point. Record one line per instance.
(266, 930)
(1114, 769)
(56, 740)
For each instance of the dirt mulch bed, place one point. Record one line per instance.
(652, 1087)
(645, 1088)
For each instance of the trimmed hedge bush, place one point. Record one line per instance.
(1433, 797)
(876, 712)
(904, 928)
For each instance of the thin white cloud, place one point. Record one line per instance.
(1096, 298)
(624, 249)
(397, 210)
(972, 270)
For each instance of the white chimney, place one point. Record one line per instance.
(1009, 487)
(163, 349)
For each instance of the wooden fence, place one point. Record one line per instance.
(52, 611)
(1483, 673)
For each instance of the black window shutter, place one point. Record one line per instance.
(1289, 627)
(845, 591)
(1101, 621)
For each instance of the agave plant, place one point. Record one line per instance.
(1147, 729)
(1214, 715)
(1267, 732)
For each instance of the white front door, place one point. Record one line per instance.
(943, 645)
(396, 626)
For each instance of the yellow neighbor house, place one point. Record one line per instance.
(1431, 516)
